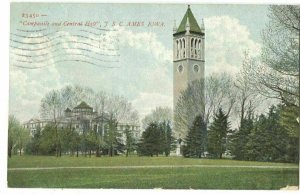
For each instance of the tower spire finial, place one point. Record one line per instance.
(175, 27)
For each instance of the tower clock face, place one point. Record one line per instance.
(196, 68)
(180, 68)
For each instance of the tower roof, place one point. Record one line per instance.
(192, 22)
(83, 105)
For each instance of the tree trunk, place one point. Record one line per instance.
(90, 153)
(77, 151)
(127, 152)
(220, 155)
(9, 151)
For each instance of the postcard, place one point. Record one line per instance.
(153, 96)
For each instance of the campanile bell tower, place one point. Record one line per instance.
(188, 54)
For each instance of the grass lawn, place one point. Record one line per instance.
(147, 178)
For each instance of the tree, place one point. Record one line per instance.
(276, 75)
(112, 137)
(48, 144)
(156, 139)
(195, 101)
(22, 138)
(269, 141)
(189, 105)
(247, 98)
(219, 93)
(13, 128)
(240, 138)
(129, 140)
(287, 120)
(159, 115)
(196, 139)
(55, 102)
(167, 140)
(52, 108)
(217, 134)
(33, 147)
(150, 142)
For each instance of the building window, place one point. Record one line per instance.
(180, 68)
(196, 68)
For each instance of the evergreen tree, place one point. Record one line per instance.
(269, 141)
(168, 139)
(150, 143)
(113, 138)
(195, 141)
(217, 134)
(240, 138)
(130, 141)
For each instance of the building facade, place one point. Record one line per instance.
(82, 118)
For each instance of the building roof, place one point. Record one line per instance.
(68, 110)
(194, 27)
(83, 104)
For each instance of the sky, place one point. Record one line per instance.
(133, 60)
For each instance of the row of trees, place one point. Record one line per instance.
(44, 142)
(200, 140)
(259, 138)
(264, 138)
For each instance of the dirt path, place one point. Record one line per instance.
(154, 166)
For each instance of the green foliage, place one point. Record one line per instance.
(217, 134)
(169, 142)
(240, 138)
(265, 139)
(150, 143)
(289, 119)
(18, 137)
(130, 145)
(195, 141)
(112, 138)
(48, 141)
(33, 146)
(156, 139)
(269, 140)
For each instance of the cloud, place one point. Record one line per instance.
(145, 73)
(226, 42)
(143, 41)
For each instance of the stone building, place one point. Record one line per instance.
(82, 118)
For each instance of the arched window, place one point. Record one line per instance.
(196, 68)
(195, 48)
(177, 49)
(180, 68)
(183, 40)
(180, 49)
(199, 48)
(192, 47)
